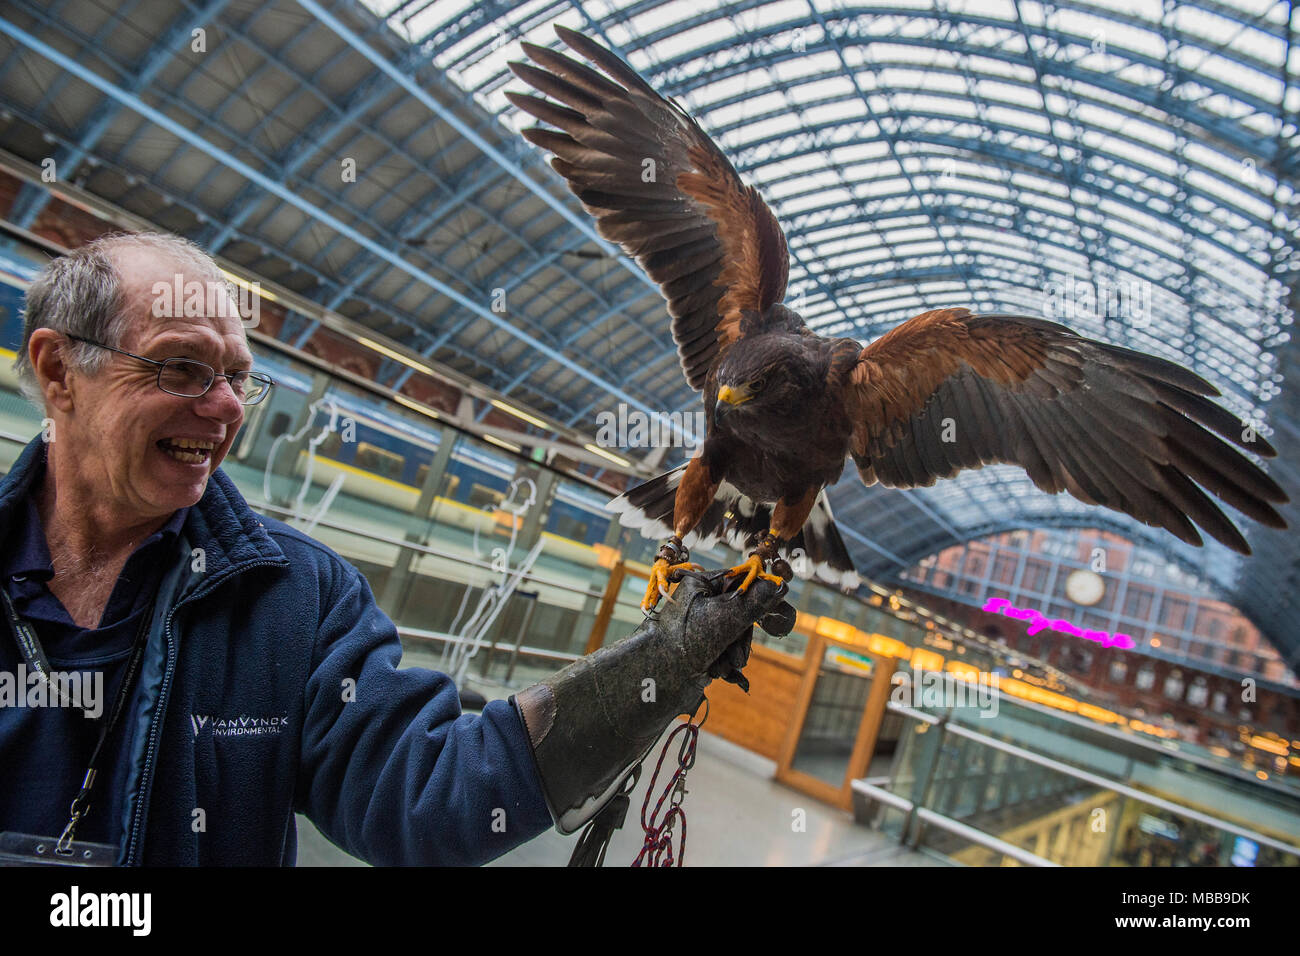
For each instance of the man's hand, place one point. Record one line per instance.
(593, 721)
(777, 618)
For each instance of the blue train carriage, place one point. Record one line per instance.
(386, 462)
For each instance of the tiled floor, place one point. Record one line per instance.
(736, 815)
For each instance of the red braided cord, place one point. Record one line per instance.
(659, 836)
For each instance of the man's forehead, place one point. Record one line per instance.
(140, 267)
(224, 334)
(157, 302)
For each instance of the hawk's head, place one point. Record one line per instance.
(767, 374)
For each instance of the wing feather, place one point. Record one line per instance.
(1110, 426)
(659, 187)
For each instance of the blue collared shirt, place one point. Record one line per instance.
(51, 771)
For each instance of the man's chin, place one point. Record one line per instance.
(171, 504)
(184, 494)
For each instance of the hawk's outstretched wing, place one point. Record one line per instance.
(660, 187)
(949, 390)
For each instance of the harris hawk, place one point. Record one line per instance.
(785, 407)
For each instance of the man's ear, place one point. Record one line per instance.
(45, 351)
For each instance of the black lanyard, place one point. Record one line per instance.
(34, 654)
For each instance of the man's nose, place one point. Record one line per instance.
(220, 403)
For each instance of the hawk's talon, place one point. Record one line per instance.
(661, 575)
(677, 571)
(752, 568)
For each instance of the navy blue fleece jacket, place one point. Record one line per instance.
(270, 685)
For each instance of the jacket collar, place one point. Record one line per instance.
(229, 532)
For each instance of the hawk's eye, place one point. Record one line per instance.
(756, 385)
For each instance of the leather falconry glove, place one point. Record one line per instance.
(593, 721)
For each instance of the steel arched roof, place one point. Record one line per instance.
(1004, 155)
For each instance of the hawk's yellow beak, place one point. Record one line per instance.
(733, 396)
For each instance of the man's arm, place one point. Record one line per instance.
(391, 770)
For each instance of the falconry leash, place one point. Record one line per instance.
(657, 850)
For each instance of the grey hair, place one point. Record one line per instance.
(81, 294)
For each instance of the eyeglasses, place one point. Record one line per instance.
(189, 379)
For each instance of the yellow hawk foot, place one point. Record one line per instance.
(660, 575)
(752, 568)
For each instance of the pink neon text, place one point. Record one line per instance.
(1037, 622)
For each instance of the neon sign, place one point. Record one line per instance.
(1038, 622)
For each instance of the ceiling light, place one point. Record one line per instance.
(395, 356)
(524, 416)
(597, 450)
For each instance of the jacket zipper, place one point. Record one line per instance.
(146, 776)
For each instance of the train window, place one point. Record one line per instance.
(381, 462)
(566, 526)
(280, 422)
(421, 475)
(480, 496)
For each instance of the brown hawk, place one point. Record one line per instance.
(944, 391)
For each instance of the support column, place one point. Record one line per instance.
(598, 581)
(399, 578)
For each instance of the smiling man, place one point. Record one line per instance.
(247, 670)
(139, 438)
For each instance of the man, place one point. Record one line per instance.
(257, 677)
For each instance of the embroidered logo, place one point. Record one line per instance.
(241, 726)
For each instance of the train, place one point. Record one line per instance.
(385, 458)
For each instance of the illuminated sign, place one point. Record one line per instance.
(1038, 622)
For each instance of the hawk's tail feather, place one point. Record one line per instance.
(816, 552)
